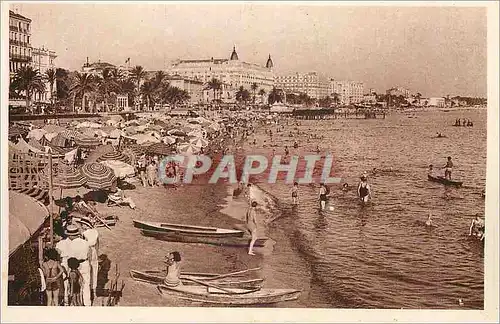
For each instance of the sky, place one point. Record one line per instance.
(432, 50)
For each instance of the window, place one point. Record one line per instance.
(28, 39)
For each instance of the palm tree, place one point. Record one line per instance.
(174, 95)
(51, 77)
(215, 85)
(138, 74)
(262, 92)
(242, 95)
(336, 98)
(159, 77)
(147, 90)
(28, 80)
(83, 84)
(254, 88)
(275, 96)
(107, 83)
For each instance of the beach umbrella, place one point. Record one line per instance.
(115, 155)
(176, 132)
(214, 126)
(64, 176)
(159, 149)
(120, 168)
(188, 148)
(83, 141)
(36, 144)
(169, 140)
(36, 133)
(196, 133)
(98, 175)
(17, 131)
(70, 133)
(198, 141)
(133, 122)
(153, 133)
(131, 130)
(59, 141)
(50, 136)
(87, 124)
(193, 121)
(137, 149)
(143, 139)
(160, 123)
(53, 129)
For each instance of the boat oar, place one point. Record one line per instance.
(207, 284)
(233, 274)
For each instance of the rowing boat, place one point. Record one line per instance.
(445, 181)
(226, 241)
(188, 230)
(230, 296)
(157, 277)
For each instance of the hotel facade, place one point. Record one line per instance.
(311, 83)
(232, 73)
(23, 54)
(349, 92)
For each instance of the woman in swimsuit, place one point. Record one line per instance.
(295, 193)
(364, 191)
(251, 223)
(52, 271)
(322, 196)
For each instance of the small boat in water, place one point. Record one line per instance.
(188, 230)
(445, 181)
(157, 277)
(207, 239)
(230, 296)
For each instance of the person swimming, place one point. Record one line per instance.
(364, 191)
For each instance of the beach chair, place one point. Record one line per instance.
(115, 201)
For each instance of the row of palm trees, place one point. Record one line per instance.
(98, 88)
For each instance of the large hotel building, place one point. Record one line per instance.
(348, 92)
(22, 54)
(310, 83)
(232, 73)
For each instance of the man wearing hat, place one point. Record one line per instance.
(76, 247)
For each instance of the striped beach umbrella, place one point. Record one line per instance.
(115, 155)
(36, 144)
(36, 134)
(87, 141)
(70, 133)
(53, 129)
(137, 149)
(176, 132)
(98, 175)
(198, 141)
(64, 176)
(160, 149)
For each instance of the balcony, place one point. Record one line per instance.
(18, 43)
(20, 58)
(14, 28)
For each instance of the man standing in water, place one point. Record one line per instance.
(364, 192)
(448, 168)
(322, 196)
(251, 223)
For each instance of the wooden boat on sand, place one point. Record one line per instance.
(229, 296)
(221, 241)
(445, 181)
(188, 230)
(156, 277)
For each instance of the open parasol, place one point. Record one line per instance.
(198, 141)
(87, 141)
(115, 155)
(98, 175)
(64, 176)
(160, 149)
(121, 169)
(188, 148)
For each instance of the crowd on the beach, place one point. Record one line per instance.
(463, 122)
